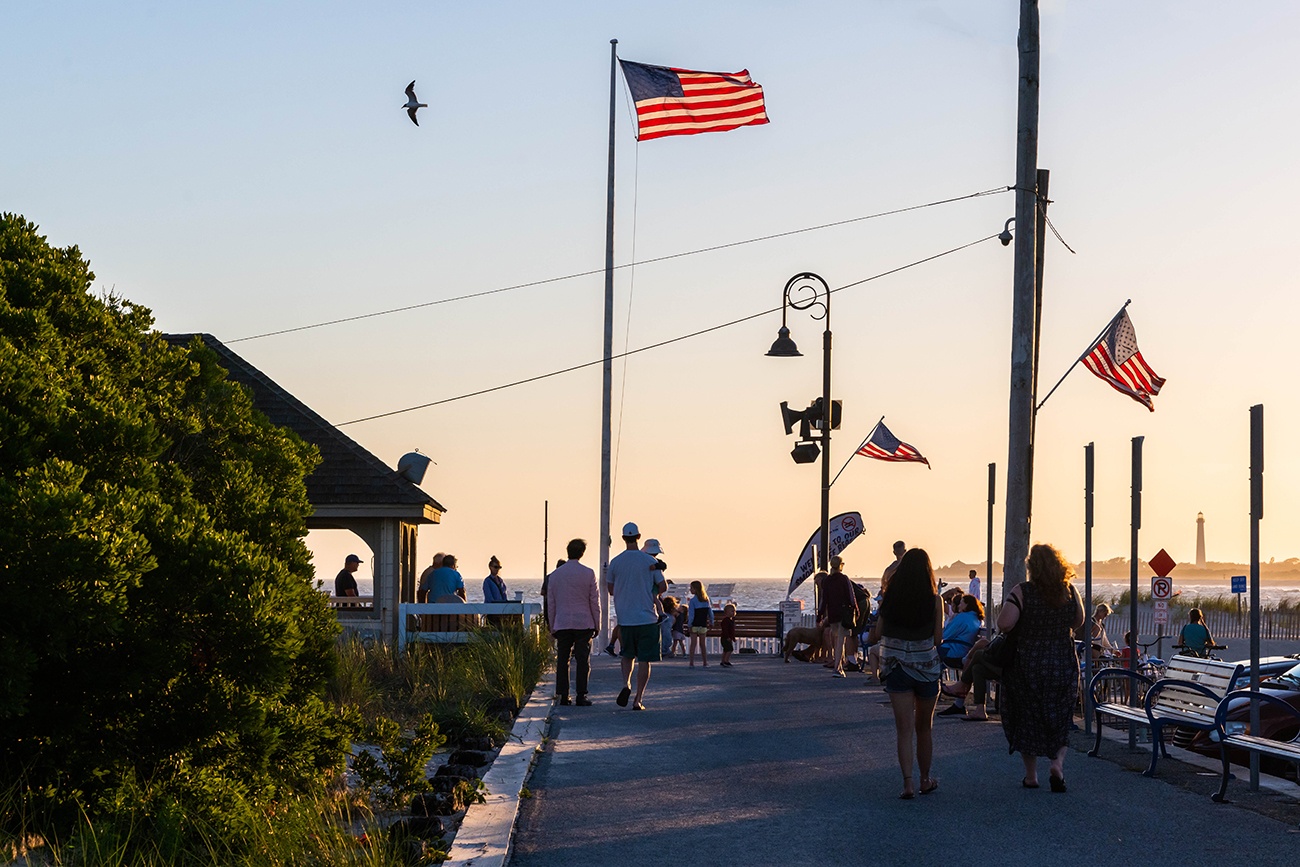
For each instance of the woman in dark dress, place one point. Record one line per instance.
(909, 629)
(1042, 685)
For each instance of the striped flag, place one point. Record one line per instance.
(1115, 359)
(884, 446)
(672, 101)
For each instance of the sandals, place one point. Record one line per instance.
(1024, 781)
(930, 789)
(1057, 783)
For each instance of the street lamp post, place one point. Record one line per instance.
(807, 291)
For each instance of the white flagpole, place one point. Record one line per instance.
(1085, 353)
(855, 451)
(607, 382)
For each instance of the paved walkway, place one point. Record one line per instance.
(769, 763)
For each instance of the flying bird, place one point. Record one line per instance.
(413, 103)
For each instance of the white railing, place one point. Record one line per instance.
(451, 623)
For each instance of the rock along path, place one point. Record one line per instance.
(774, 763)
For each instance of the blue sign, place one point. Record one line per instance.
(1238, 583)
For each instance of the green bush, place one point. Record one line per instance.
(165, 654)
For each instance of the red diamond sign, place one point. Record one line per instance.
(1162, 563)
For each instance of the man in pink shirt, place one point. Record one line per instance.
(574, 602)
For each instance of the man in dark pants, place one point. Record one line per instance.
(573, 599)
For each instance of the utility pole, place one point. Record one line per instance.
(1020, 423)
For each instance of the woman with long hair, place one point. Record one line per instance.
(910, 628)
(1042, 684)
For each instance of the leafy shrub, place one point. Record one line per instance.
(399, 772)
(161, 623)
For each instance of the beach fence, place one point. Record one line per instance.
(1281, 625)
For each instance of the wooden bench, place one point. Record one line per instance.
(1289, 750)
(753, 625)
(1188, 695)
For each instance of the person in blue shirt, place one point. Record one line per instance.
(959, 636)
(1195, 637)
(494, 586)
(445, 580)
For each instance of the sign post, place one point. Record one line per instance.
(1162, 590)
(1238, 588)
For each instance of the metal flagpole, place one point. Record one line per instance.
(855, 451)
(1085, 353)
(607, 380)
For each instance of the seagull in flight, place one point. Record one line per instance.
(413, 103)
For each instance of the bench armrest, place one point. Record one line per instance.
(1106, 674)
(1221, 713)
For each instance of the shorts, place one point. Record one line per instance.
(678, 635)
(728, 645)
(699, 630)
(641, 643)
(899, 681)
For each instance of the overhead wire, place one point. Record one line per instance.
(423, 304)
(659, 344)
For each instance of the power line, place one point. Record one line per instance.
(989, 192)
(658, 345)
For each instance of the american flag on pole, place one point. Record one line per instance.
(672, 101)
(1115, 359)
(884, 446)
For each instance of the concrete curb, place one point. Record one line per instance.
(486, 831)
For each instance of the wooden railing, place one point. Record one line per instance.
(352, 603)
(454, 623)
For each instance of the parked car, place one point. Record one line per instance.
(1273, 721)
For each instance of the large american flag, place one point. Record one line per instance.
(672, 101)
(1115, 359)
(884, 446)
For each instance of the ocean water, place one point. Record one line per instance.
(766, 593)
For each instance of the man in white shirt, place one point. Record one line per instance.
(974, 585)
(635, 581)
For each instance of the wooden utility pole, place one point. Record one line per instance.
(1020, 426)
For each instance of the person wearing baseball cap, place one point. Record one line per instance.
(635, 582)
(344, 583)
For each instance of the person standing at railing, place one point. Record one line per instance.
(426, 578)
(494, 586)
(344, 582)
(446, 582)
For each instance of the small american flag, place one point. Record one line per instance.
(1115, 359)
(672, 101)
(884, 446)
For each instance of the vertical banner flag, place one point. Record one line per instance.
(1115, 359)
(884, 446)
(672, 101)
(843, 530)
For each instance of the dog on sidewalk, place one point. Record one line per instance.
(808, 635)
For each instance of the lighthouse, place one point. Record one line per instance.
(1200, 540)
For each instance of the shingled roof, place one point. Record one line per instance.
(350, 481)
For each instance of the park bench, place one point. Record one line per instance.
(1188, 695)
(1287, 750)
(754, 627)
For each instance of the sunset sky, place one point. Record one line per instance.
(242, 168)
